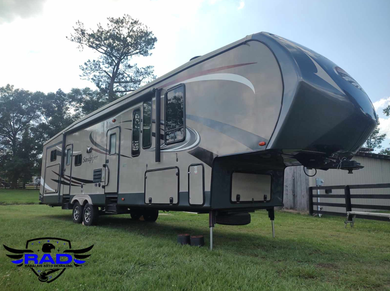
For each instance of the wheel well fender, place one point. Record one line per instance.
(84, 199)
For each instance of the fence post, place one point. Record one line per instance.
(348, 204)
(311, 200)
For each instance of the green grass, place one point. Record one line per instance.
(307, 254)
(8, 196)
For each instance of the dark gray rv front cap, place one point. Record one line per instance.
(324, 109)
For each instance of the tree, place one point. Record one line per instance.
(18, 111)
(122, 39)
(85, 101)
(375, 140)
(386, 151)
(57, 111)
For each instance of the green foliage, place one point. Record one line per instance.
(308, 253)
(86, 100)
(387, 150)
(122, 39)
(375, 140)
(19, 110)
(387, 110)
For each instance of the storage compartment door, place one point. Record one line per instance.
(162, 186)
(196, 184)
(248, 187)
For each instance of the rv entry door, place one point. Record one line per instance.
(67, 178)
(112, 161)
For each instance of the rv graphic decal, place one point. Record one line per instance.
(46, 186)
(192, 140)
(100, 149)
(207, 72)
(222, 77)
(89, 159)
(242, 136)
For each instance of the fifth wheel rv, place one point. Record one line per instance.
(213, 136)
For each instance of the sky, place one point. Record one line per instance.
(355, 34)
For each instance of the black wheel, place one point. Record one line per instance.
(90, 214)
(135, 214)
(227, 218)
(77, 213)
(150, 215)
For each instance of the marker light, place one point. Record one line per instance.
(262, 143)
(123, 199)
(114, 120)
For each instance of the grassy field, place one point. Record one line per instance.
(307, 254)
(8, 196)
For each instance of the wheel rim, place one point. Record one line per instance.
(76, 213)
(87, 214)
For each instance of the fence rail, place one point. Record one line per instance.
(347, 204)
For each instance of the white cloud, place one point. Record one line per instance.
(382, 103)
(39, 57)
(384, 126)
(11, 9)
(241, 5)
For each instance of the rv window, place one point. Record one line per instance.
(77, 160)
(68, 156)
(53, 155)
(112, 146)
(147, 125)
(174, 115)
(136, 132)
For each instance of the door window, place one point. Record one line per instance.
(68, 156)
(112, 146)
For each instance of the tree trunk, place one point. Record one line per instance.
(14, 183)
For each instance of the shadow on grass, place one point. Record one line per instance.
(252, 244)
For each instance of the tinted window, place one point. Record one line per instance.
(77, 160)
(136, 132)
(53, 155)
(147, 125)
(174, 115)
(68, 156)
(112, 146)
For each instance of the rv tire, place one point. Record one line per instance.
(90, 214)
(135, 214)
(77, 213)
(150, 215)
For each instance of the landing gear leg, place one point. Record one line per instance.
(271, 215)
(211, 225)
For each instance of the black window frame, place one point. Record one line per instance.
(110, 144)
(53, 155)
(165, 114)
(136, 153)
(78, 160)
(149, 145)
